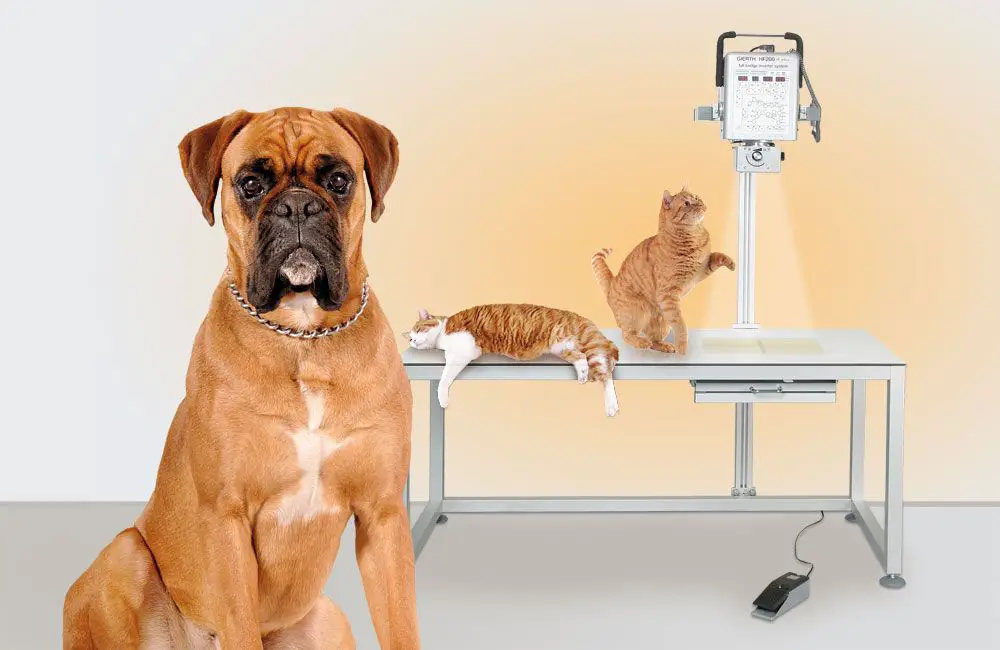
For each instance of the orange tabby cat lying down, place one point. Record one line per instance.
(522, 332)
(645, 295)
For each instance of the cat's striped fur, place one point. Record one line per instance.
(645, 295)
(519, 331)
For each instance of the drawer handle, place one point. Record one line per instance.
(754, 389)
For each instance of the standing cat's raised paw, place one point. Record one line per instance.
(718, 260)
(664, 347)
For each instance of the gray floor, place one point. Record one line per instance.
(526, 582)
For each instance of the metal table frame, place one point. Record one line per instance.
(886, 541)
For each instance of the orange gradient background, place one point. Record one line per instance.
(532, 134)
(544, 134)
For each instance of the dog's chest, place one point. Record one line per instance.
(315, 448)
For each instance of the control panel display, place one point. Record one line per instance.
(761, 96)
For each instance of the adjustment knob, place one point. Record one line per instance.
(757, 155)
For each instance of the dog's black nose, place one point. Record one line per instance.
(297, 204)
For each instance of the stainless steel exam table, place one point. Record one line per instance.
(756, 366)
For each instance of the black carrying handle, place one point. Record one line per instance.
(720, 67)
(720, 46)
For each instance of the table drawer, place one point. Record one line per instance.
(789, 392)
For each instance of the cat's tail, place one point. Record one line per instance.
(599, 263)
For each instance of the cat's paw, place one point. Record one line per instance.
(611, 409)
(721, 259)
(443, 399)
(664, 347)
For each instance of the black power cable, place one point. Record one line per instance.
(795, 547)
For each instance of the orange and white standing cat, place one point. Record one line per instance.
(645, 295)
(522, 332)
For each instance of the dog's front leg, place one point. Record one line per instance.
(385, 558)
(232, 570)
(207, 561)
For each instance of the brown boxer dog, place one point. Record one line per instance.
(296, 417)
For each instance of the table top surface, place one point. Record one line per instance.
(779, 347)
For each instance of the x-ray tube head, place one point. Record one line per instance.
(761, 98)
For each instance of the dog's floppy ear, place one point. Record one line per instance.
(201, 157)
(381, 152)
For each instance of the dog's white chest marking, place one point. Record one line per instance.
(302, 308)
(312, 447)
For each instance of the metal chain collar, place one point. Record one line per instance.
(294, 333)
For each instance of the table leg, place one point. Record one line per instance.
(437, 451)
(894, 480)
(859, 401)
(406, 497)
(743, 479)
(431, 516)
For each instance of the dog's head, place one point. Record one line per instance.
(291, 183)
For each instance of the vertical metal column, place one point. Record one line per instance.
(436, 447)
(893, 541)
(745, 319)
(859, 401)
(856, 483)
(431, 516)
(406, 498)
(746, 263)
(743, 485)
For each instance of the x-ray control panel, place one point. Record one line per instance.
(761, 98)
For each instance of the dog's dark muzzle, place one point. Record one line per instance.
(299, 248)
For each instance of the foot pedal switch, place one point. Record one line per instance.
(780, 596)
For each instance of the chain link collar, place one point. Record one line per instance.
(294, 333)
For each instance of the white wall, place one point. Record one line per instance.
(107, 262)
(49, 168)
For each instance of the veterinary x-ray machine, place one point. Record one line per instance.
(758, 106)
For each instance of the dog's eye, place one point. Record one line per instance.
(338, 183)
(251, 187)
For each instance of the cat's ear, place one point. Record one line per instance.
(667, 198)
(424, 314)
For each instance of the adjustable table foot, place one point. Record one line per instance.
(892, 581)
